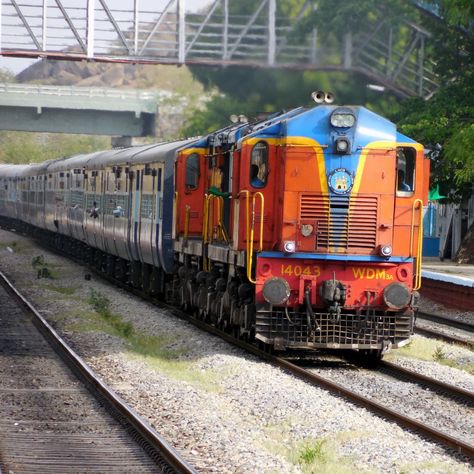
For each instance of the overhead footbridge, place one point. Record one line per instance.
(389, 52)
(83, 110)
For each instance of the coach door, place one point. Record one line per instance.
(150, 219)
(94, 208)
(190, 187)
(135, 176)
(256, 196)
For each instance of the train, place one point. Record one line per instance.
(300, 231)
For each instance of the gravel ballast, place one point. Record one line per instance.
(223, 409)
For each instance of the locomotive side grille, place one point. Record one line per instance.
(342, 223)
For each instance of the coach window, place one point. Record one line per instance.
(192, 171)
(406, 159)
(259, 165)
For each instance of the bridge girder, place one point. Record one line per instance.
(84, 110)
(166, 32)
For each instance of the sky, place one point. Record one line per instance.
(16, 65)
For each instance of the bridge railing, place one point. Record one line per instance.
(165, 31)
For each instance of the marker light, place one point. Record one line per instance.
(385, 250)
(289, 246)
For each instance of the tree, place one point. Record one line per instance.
(444, 124)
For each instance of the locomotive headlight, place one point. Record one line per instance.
(342, 146)
(276, 291)
(342, 119)
(396, 295)
(385, 250)
(289, 246)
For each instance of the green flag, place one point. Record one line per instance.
(434, 195)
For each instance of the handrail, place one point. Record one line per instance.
(250, 228)
(417, 276)
(262, 208)
(247, 229)
(187, 214)
(207, 219)
(175, 216)
(205, 225)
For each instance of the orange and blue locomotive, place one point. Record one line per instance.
(301, 230)
(304, 230)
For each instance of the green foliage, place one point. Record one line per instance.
(37, 261)
(439, 354)
(101, 305)
(27, 147)
(63, 290)
(39, 264)
(443, 123)
(250, 91)
(311, 453)
(337, 17)
(459, 154)
(99, 302)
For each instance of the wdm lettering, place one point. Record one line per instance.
(371, 274)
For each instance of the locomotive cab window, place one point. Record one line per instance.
(192, 171)
(406, 160)
(259, 165)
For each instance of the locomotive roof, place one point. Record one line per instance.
(314, 124)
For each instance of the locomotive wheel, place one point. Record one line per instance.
(236, 331)
(370, 358)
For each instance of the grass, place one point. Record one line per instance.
(17, 247)
(101, 305)
(64, 290)
(432, 350)
(154, 350)
(311, 455)
(318, 456)
(39, 264)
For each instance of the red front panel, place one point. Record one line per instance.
(358, 277)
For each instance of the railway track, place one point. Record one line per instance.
(49, 422)
(443, 324)
(457, 393)
(436, 318)
(427, 431)
(451, 443)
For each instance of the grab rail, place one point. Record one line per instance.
(187, 214)
(208, 219)
(417, 276)
(250, 227)
(175, 216)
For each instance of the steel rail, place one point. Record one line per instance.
(429, 432)
(161, 451)
(442, 387)
(437, 318)
(407, 422)
(433, 334)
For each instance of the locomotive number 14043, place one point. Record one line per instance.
(297, 270)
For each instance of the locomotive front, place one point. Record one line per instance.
(345, 266)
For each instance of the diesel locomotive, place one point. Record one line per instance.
(302, 230)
